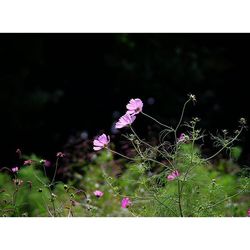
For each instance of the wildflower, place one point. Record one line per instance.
(182, 138)
(101, 142)
(126, 202)
(248, 212)
(98, 193)
(27, 162)
(125, 120)
(46, 163)
(173, 175)
(134, 106)
(60, 155)
(15, 169)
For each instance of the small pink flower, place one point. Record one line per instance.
(173, 175)
(125, 120)
(248, 212)
(182, 138)
(14, 169)
(98, 193)
(47, 163)
(101, 142)
(126, 202)
(134, 106)
(60, 155)
(27, 162)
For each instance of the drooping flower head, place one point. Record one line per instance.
(27, 162)
(14, 169)
(126, 202)
(134, 106)
(101, 142)
(125, 120)
(98, 193)
(173, 175)
(60, 155)
(248, 212)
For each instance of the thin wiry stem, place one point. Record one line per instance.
(124, 156)
(162, 124)
(150, 159)
(179, 199)
(227, 198)
(225, 146)
(54, 176)
(180, 121)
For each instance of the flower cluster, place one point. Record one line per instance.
(134, 107)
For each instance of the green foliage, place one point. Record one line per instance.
(169, 179)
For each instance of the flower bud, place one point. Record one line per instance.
(243, 121)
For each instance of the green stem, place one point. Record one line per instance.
(153, 149)
(179, 199)
(164, 125)
(227, 144)
(54, 176)
(180, 121)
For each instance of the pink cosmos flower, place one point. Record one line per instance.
(27, 162)
(14, 169)
(248, 212)
(182, 138)
(98, 193)
(126, 202)
(101, 142)
(134, 106)
(125, 120)
(173, 175)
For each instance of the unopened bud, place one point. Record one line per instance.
(192, 97)
(243, 121)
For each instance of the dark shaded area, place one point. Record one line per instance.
(53, 86)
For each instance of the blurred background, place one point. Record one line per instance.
(55, 88)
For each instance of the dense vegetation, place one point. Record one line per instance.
(168, 176)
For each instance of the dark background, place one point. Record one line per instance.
(54, 86)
